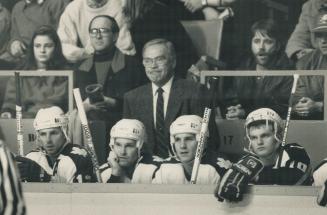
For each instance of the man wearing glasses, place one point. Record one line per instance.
(74, 23)
(159, 103)
(104, 77)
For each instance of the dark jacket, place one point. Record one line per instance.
(160, 22)
(261, 91)
(123, 75)
(186, 97)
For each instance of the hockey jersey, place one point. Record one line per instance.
(72, 165)
(292, 167)
(320, 174)
(143, 172)
(172, 172)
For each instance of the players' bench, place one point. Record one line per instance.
(311, 134)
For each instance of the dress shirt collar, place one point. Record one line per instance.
(166, 88)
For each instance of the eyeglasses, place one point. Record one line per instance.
(161, 60)
(103, 31)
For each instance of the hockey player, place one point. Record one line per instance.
(283, 164)
(184, 137)
(126, 163)
(320, 179)
(56, 159)
(267, 161)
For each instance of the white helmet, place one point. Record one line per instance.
(131, 129)
(185, 124)
(50, 118)
(268, 115)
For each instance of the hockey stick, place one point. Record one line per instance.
(201, 144)
(87, 133)
(203, 132)
(289, 111)
(19, 126)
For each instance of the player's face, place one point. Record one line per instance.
(43, 48)
(322, 42)
(185, 147)
(52, 139)
(263, 47)
(263, 142)
(101, 35)
(126, 151)
(159, 65)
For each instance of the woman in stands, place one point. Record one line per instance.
(149, 20)
(44, 53)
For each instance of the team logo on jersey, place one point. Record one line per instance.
(251, 163)
(224, 163)
(78, 151)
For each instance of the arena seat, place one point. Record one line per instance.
(206, 36)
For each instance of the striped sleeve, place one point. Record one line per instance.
(11, 199)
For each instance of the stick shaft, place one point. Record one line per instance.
(87, 133)
(19, 126)
(201, 144)
(289, 110)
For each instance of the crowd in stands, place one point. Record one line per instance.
(130, 60)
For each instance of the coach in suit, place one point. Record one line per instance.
(160, 102)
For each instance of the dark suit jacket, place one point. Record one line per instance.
(186, 97)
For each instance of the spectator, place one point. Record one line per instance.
(126, 162)
(44, 53)
(158, 22)
(159, 103)
(184, 138)
(27, 16)
(302, 40)
(196, 9)
(283, 164)
(108, 69)
(249, 93)
(56, 159)
(309, 94)
(4, 37)
(74, 26)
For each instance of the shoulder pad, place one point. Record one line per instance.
(79, 151)
(296, 152)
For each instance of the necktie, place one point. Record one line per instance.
(161, 148)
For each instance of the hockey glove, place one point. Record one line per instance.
(29, 170)
(235, 181)
(322, 196)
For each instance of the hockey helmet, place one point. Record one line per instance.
(51, 117)
(131, 129)
(267, 115)
(185, 124)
